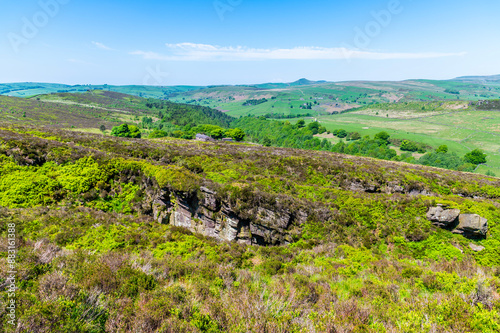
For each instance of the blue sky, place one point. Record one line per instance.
(203, 42)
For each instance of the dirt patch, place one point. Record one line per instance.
(457, 106)
(337, 107)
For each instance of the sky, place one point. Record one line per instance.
(212, 42)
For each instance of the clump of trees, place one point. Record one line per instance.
(188, 132)
(275, 115)
(340, 133)
(452, 91)
(412, 146)
(255, 101)
(126, 131)
(306, 106)
(441, 158)
(183, 114)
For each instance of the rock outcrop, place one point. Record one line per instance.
(471, 226)
(443, 218)
(206, 214)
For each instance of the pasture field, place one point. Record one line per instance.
(461, 131)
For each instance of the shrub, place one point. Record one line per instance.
(236, 133)
(353, 136)
(157, 134)
(272, 267)
(442, 149)
(382, 136)
(341, 133)
(407, 145)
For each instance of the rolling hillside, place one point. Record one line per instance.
(90, 110)
(28, 89)
(172, 235)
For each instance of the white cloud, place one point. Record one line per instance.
(204, 52)
(102, 46)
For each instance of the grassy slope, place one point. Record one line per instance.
(88, 111)
(364, 262)
(32, 111)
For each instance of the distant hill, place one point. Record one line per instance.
(29, 89)
(479, 79)
(305, 82)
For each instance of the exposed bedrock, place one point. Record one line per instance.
(206, 214)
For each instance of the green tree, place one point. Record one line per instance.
(126, 131)
(236, 133)
(475, 157)
(353, 136)
(217, 133)
(301, 123)
(120, 131)
(341, 133)
(383, 136)
(177, 134)
(102, 128)
(442, 149)
(490, 173)
(158, 134)
(134, 131)
(313, 127)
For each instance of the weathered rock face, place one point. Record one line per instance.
(207, 215)
(211, 218)
(469, 225)
(472, 226)
(443, 218)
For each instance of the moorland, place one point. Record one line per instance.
(380, 216)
